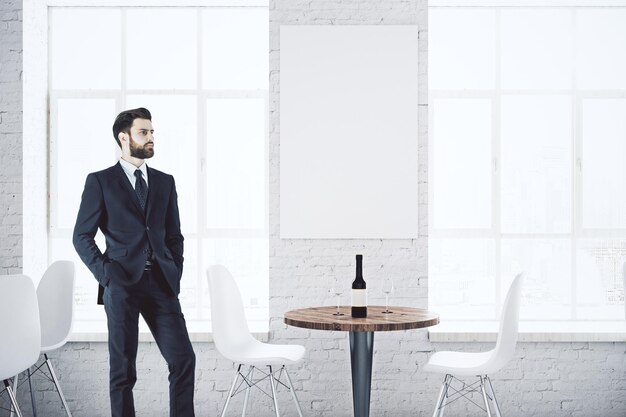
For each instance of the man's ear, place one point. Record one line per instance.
(122, 136)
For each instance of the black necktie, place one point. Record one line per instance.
(141, 188)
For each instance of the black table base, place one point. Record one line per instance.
(361, 354)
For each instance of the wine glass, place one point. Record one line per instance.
(387, 289)
(337, 289)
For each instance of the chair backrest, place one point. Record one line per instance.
(509, 326)
(55, 293)
(20, 334)
(228, 319)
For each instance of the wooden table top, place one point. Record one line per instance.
(322, 318)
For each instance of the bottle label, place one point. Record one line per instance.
(359, 298)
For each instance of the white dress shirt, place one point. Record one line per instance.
(129, 170)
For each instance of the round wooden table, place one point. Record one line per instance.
(361, 338)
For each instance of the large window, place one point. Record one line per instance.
(527, 160)
(203, 74)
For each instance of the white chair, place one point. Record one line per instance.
(19, 327)
(55, 294)
(234, 341)
(479, 364)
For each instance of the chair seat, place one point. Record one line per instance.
(234, 341)
(480, 364)
(48, 349)
(262, 354)
(19, 325)
(460, 363)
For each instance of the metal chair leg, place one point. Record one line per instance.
(57, 385)
(493, 397)
(293, 392)
(440, 405)
(483, 388)
(15, 386)
(445, 396)
(245, 399)
(274, 392)
(32, 393)
(232, 389)
(7, 386)
(440, 397)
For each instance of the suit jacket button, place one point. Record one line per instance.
(147, 228)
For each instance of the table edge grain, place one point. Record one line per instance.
(403, 319)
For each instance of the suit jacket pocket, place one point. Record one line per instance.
(117, 253)
(168, 255)
(113, 272)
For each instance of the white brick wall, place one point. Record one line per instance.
(10, 137)
(547, 379)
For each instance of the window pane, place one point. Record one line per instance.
(82, 143)
(174, 119)
(600, 279)
(603, 163)
(235, 163)
(547, 284)
(461, 282)
(536, 175)
(601, 46)
(461, 163)
(537, 58)
(85, 45)
(162, 48)
(235, 48)
(248, 261)
(461, 49)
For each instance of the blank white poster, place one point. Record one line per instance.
(348, 132)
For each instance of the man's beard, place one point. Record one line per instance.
(140, 152)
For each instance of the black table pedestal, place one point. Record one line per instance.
(361, 353)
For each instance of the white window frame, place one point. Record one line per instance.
(576, 328)
(37, 105)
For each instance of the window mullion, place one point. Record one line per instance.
(201, 172)
(576, 173)
(123, 91)
(497, 169)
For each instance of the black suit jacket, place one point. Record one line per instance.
(110, 203)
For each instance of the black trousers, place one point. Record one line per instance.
(156, 302)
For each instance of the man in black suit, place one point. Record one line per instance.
(136, 209)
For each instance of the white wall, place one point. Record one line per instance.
(10, 137)
(547, 379)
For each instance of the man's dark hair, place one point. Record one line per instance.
(125, 120)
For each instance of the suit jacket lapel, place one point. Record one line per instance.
(123, 179)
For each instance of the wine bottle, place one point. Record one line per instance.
(359, 291)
